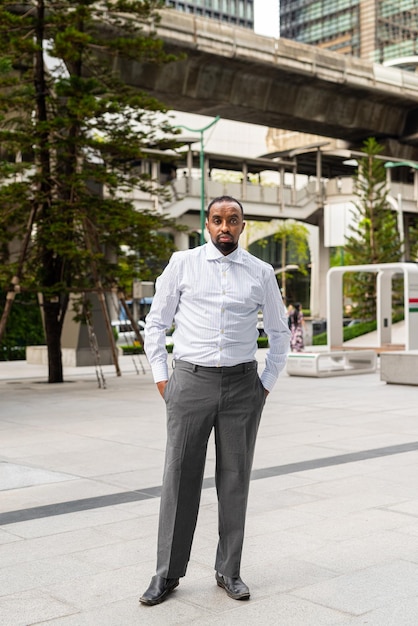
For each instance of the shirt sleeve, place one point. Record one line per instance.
(277, 328)
(160, 317)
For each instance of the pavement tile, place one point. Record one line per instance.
(41, 572)
(46, 526)
(31, 607)
(367, 589)
(130, 612)
(13, 476)
(330, 539)
(66, 543)
(399, 613)
(281, 610)
(359, 553)
(86, 592)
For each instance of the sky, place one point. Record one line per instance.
(266, 17)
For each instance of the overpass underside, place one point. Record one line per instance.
(236, 74)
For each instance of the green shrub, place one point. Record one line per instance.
(262, 342)
(24, 327)
(127, 350)
(351, 332)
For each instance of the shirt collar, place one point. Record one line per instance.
(213, 254)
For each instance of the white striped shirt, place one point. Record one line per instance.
(214, 301)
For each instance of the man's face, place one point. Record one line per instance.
(225, 224)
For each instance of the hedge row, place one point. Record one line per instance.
(127, 350)
(351, 332)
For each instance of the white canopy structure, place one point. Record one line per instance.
(385, 273)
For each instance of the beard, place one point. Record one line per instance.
(225, 246)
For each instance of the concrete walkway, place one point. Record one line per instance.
(332, 532)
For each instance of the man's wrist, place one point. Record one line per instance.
(159, 372)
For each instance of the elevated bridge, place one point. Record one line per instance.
(294, 195)
(239, 75)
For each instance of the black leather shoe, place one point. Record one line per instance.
(234, 587)
(158, 590)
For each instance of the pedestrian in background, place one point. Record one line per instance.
(297, 327)
(213, 294)
(290, 310)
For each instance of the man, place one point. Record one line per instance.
(213, 294)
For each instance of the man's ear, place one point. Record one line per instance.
(243, 226)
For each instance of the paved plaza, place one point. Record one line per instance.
(332, 529)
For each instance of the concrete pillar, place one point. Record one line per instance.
(368, 24)
(281, 189)
(334, 284)
(75, 336)
(411, 307)
(384, 307)
(321, 271)
(244, 182)
(181, 240)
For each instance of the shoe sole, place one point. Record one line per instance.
(242, 596)
(160, 599)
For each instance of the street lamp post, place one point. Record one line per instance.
(202, 173)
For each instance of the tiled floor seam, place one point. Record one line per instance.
(72, 506)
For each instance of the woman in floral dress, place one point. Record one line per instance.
(297, 324)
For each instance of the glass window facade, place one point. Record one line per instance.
(341, 25)
(233, 11)
(397, 30)
(331, 24)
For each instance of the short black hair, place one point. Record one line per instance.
(224, 199)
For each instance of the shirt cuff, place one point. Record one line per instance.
(268, 380)
(159, 372)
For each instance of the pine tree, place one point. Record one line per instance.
(375, 237)
(71, 132)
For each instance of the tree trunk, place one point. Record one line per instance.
(53, 328)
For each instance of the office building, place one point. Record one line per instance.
(376, 30)
(234, 12)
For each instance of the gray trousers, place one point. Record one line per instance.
(229, 400)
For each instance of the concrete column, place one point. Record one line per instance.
(416, 186)
(75, 341)
(189, 168)
(384, 307)
(321, 272)
(281, 189)
(205, 174)
(314, 291)
(335, 309)
(181, 240)
(411, 306)
(244, 181)
(319, 195)
(368, 24)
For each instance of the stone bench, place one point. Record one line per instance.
(331, 363)
(400, 368)
(38, 355)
